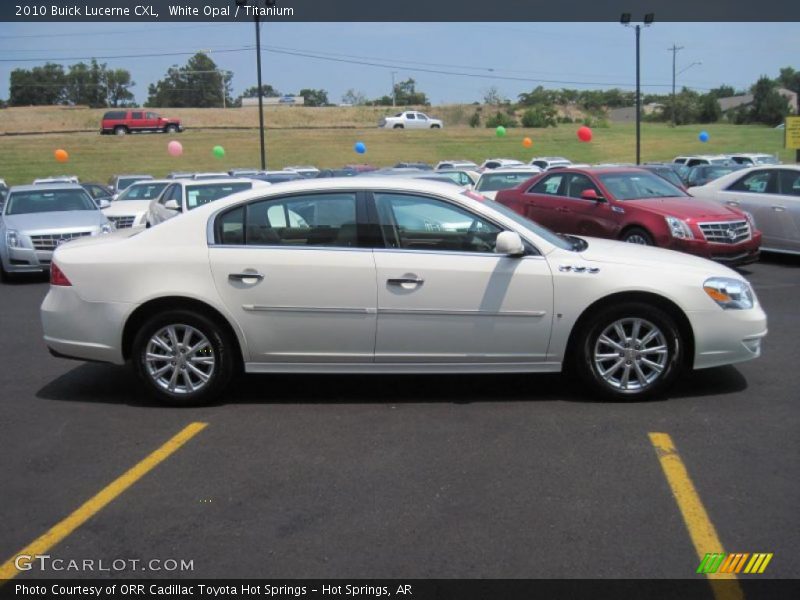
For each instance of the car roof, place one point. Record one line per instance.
(534, 170)
(151, 182)
(119, 176)
(46, 186)
(228, 180)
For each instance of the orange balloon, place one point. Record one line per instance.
(61, 155)
(527, 142)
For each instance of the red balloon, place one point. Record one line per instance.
(585, 134)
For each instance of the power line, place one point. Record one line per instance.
(88, 33)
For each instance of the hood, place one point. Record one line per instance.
(612, 251)
(55, 221)
(122, 208)
(686, 208)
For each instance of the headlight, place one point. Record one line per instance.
(12, 239)
(106, 228)
(730, 293)
(679, 228)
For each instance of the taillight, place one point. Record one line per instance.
(57, 276)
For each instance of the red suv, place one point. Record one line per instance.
(120, 122)
(634, 205)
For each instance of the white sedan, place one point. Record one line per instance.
(389, 275)
(130, 207)
(184, 195)
(771, 194)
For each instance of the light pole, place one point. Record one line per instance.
(625, 20)
(257, 21)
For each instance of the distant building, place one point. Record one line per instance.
(732, 102)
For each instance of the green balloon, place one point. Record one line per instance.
(219, 151)
(501, 131)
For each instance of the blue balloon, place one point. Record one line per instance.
(703, 137)
(360, 147)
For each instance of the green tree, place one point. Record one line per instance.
(406, 94)
(540, 116)
(118, 82)
(501, 118)
(267, 91)
(86, 84)
(789, 79)
(313, 97)
(708, 110)
(769, 107)
(354, 97)
(199, 83)
(723, 91)
(38, 86)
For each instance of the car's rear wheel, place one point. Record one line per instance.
(630, 352)
(637, 235)
(183, 357)
(398, 126)
(120, 130)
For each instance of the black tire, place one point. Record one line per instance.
(602, 366)
(120, 130)
(398, 126)
(436, 126)
(637, 235)
(219, 348)
(171, 129)
(5, 276)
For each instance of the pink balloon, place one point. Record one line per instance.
(175, 148)
(585, 134)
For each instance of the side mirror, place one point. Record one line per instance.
(509, 243)
(103, 203)
(172, 205)
(591, 194)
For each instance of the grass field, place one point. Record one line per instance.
(95, 158)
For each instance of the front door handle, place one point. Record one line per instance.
(779, 208)
(406, 281)
(732, 203)
(246, 275)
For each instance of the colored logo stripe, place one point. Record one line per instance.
(721, 562)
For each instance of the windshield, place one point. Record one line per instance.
(124, 182)
(493, 182)
(197, 195)
(141, 191)
(542, 232)
(766, 160)
(638, 185)
(670, 176)
(719, 161)
(23, 203)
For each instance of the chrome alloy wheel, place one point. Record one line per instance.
(630, 354)
(180, 359)
(637, 239)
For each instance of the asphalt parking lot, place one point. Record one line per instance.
(402, 477)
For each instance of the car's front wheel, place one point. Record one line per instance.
(183, 357)
(171, 129)
(434, 126)
(630, 352)
(398, 126)
(636, 235)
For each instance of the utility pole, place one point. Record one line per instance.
(674, 51)
(394, 93)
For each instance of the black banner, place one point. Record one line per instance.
(411, 589)
(375, 10)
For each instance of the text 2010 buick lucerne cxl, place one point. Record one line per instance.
(386, 275)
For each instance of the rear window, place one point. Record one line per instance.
(502, 181)
(125, 182)
(197, 195)
(115, 114)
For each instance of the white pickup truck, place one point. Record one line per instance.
(410, 119)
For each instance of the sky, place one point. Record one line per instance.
(450, 62)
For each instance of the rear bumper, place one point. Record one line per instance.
(83, 330)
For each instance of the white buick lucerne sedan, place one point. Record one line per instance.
(388, 275)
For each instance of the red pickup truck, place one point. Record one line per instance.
(120, 122)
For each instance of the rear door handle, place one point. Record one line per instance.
(406, 281)
(732, 203)
(246, 275)
(779, 208)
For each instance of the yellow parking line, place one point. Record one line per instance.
(701, 530)
(91, 507)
